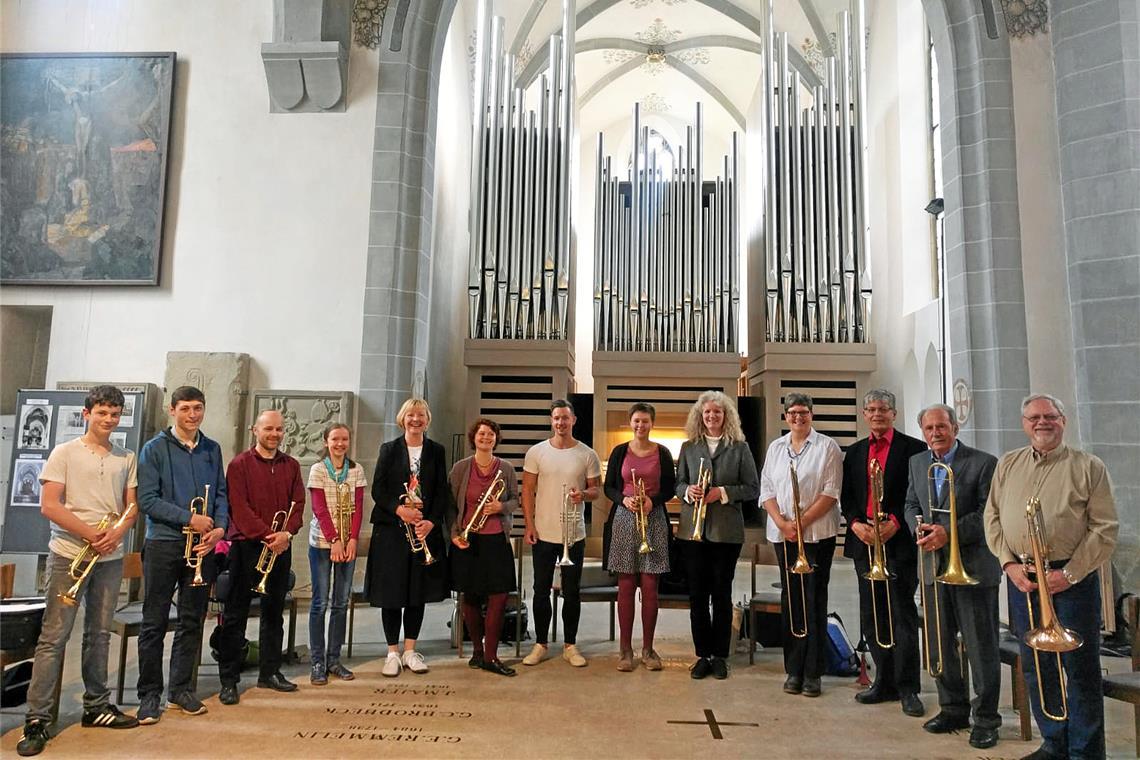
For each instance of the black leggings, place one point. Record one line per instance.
(545, 556)
(413, 618)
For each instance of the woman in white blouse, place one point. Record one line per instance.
(818, 463)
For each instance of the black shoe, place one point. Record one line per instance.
(944, 724)
(187, 703)
(876, 694)
(1042, 753)
(812, 687)
(497, 666)
(701, 668)
(719, 668)
(149, 711)
(319, 675)
(34, 738)
(277, 682)
(229, 694)
(983, 738)
(340, 671)
(912, 706)
(793, 685)
(475, 662)
(108, 716)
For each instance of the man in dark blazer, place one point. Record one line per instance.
(971, 610)
(896, 668)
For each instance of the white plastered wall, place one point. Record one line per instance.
(266, 222)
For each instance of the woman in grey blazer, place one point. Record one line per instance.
(716, 442)
(482, 564)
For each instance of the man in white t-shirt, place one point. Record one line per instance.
(559, 474)
(87, 484)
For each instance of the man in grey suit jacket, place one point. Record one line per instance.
(969, 609)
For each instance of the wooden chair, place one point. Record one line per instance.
(128, 618)
(1126, 686)
(515, 597)
(1009, 650)
(760, 601)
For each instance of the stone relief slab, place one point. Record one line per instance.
(224, 378)
(306, 414)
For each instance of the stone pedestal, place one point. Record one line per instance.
(224, 378)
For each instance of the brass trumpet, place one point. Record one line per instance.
(700, 506)
(569, 517)
(877, 557)
(267, 559)
(801, 567)
(640, 514)
(417, 544)
(343, 512)
(84, 562)
(479, 516)
(198, 505)
(1050, 636)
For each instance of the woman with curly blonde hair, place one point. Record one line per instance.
(716, 445)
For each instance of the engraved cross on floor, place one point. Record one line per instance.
(713, 724)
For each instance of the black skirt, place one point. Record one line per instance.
(398, 578)
(485, 567)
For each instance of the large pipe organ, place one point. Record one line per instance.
(520, 258)
(817, 267)
(666, 250)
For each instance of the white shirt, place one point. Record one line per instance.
(819, 468)
(93, 486)
(557, 467)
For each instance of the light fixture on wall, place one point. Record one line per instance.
(936, 207)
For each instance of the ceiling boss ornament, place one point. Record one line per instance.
(1025, 18)
(367, 22)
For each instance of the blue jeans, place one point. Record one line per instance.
(1078, 609)
(324, 571)
(164, 572)
(100, 594)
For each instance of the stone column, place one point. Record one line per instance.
(1096, 47)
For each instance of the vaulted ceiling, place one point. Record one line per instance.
(667, 54)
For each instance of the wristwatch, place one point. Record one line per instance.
(1068, 576)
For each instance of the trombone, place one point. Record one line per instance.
(417, 544)
(198, 505)
(640, 514)
(479, 516)
(267, 559)
(877, 558)
(84, 562)
(955, 573)
(700, 506)
(1050, 636)
(801, 567)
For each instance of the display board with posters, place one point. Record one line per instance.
(45, 419)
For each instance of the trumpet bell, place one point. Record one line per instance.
(67, 599)
(879, 572)
(261, 586)
(1055, 638)
(645, 548)
(565, 561)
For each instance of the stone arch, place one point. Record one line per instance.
(982, 229)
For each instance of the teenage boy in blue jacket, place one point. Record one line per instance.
(174, 468)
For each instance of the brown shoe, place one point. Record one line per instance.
(625, 662)
(651, 659)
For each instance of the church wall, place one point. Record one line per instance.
(904, 313)
(447, 320)
(266, 215)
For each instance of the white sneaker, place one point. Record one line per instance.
(537, 655)
(573, 656)
(414, 661)
(393, 665)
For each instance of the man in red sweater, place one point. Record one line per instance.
(263, 482)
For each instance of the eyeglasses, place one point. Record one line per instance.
(1050, 418)
(797, 414)
(877, 409)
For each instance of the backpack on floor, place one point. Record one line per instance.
(841, 657)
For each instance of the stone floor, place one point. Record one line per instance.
(552, 710)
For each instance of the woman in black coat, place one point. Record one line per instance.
(412, 497)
